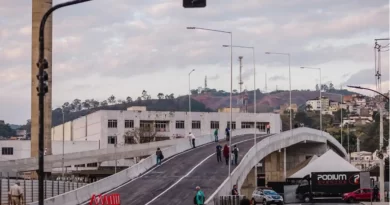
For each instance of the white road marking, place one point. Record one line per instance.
(188, 173)
(215, 192)
(163, 162)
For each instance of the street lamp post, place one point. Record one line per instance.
(63, 143)
(341, 116)
(290, 108)
(381, 161)
(189, 99)
(254, 101)
(231, 80)
(42, 63)
(319, 69)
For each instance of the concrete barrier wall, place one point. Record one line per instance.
(55, 161)
(265, 147)
(83, 194)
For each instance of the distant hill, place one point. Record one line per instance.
(266, 102)
(205, 101)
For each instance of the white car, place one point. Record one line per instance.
(266, 197)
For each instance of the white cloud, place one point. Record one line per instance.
(102, 42)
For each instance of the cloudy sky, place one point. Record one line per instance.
(122, 47)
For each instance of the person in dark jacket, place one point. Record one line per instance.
(159, 156)
(235, 152)
(219, 153)
(375, 193)
(235, 191)
(226, 154)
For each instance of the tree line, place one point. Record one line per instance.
(78, 105)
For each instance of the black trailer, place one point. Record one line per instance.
(327, 185)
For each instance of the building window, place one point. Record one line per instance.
(145, 124)
(180, 124)
(246, 125)
(195, 124)
(214, 124)
(233, 125)
(112, 123)
(79, 165)
(261, 126)
(129, 123)
(111, 139)
(161, 126)
(92, 164)
(7, 151)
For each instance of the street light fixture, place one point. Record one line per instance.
(42, 90)
(231, 78)
(362, 88)
(319, 69)
(189, 99)
(291, 129)
(254, 96)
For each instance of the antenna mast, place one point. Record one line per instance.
(205, 82)
(265, 80)
(240, 83)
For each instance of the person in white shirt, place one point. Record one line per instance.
(192, 138)
(16, 194)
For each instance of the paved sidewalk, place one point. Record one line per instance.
(375, 203)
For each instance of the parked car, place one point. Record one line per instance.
(358, 195)
(266, 196)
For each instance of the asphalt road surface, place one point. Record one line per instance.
(171, 183)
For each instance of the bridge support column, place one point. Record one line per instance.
(249, 184)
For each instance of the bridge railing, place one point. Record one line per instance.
(264, 148)
(83, 194)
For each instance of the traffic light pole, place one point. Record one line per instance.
(42, 89)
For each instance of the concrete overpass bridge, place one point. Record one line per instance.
(174, 181)
(85, 157)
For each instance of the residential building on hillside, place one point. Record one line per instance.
(334, 106)
(286, 107)
(315, 104)
(227, 109)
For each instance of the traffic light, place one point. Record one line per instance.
(45, 77)
(194, 3)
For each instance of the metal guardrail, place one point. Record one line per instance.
(52, 187)
(228, 200)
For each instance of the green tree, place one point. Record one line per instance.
(331, 86)
(160, 96)
(6, 131)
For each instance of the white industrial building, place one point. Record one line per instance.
(102, 129)
(105, 125)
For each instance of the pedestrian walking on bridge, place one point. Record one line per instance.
(219, 153)
(216, 135)
(159, 156)
(226, 153)
(192, 138)
(235, 152)
(199, 198)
